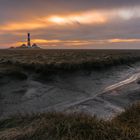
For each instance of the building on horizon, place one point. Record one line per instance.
(29, 45)
(29, 41)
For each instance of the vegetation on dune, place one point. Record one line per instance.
(60, 126)
(54, 61)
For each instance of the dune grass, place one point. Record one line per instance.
(54, 61)
(61, 126)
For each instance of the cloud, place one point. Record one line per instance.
(71, 23)
(85, 17)
(123, 40)
(43, 22)
(82, 18)
(26, 9)
(22, 26)
(78, 43)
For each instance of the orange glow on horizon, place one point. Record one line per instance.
(56, 42)
(39, 41)
(77, 42)
(22, 26)
(123, 40)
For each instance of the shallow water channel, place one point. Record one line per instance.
(102, 93)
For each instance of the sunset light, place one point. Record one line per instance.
(69, 69)
(83, 18)
(93, 25)
(57, 19)
(123, 40)
(22, 26)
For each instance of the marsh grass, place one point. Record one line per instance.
(61, 126)
(59, 61)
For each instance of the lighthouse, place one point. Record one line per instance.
(29, 45)
(29, 41)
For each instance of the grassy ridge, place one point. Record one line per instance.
(52, 61)
(59, 126)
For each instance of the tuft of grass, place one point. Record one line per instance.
(61, 126)
(130, 117)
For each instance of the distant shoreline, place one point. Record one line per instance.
(23, 48)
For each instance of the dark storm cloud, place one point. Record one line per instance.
(68, 3)
(15, 9)
(60, 5)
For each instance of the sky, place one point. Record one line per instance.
(87, 24)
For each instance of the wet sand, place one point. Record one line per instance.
(103, 93)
